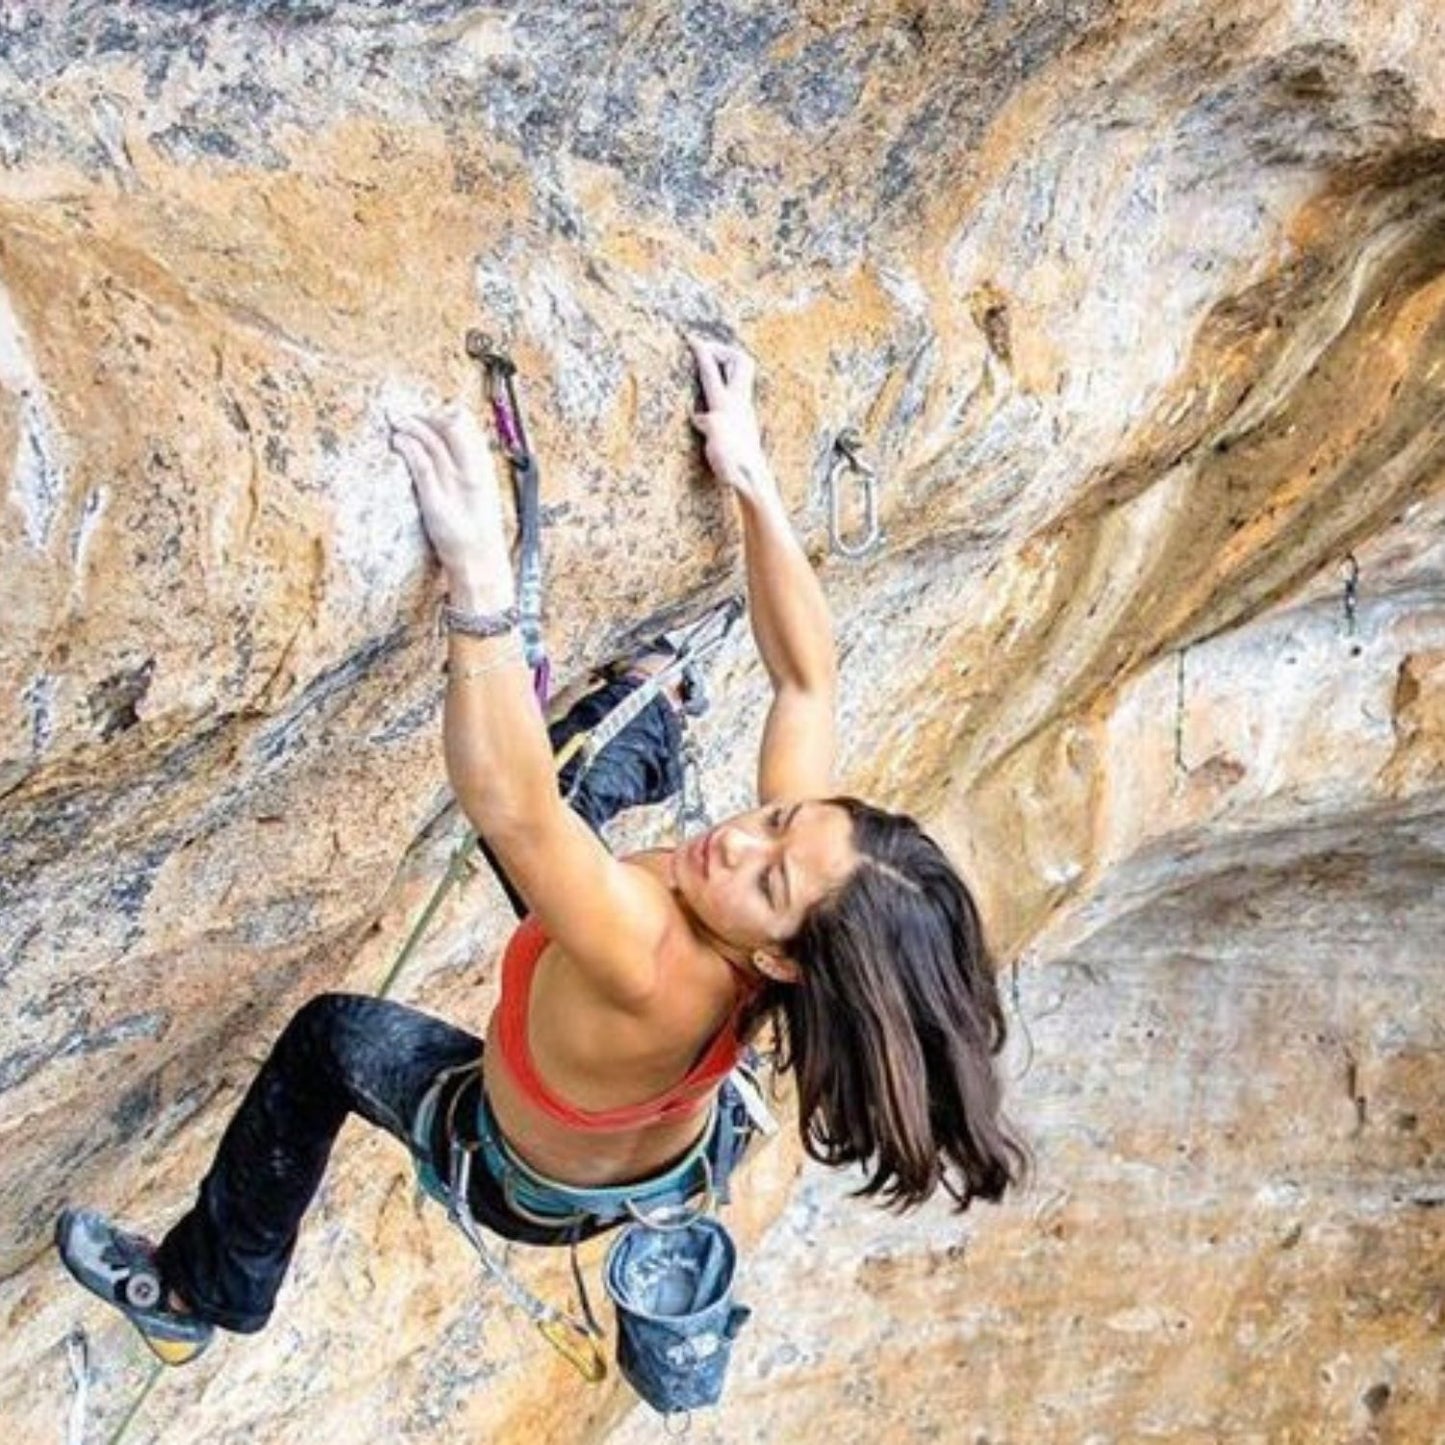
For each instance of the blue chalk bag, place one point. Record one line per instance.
(672, 1285)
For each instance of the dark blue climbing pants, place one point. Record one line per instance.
(351, 1054)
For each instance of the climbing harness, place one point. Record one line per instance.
(690, 647)
(499, 384)
(656, 1207)
(847, 457)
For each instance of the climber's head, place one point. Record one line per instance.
(750, 882)
(887, 1003)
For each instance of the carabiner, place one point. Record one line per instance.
(500, 388)
(847, 447)
(575, 1346)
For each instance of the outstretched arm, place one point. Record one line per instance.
(790, 618)
(608, 917)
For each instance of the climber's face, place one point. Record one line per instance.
(752, 879)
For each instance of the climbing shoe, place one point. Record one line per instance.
(680, 652)
(686, 691)
(120, 1268)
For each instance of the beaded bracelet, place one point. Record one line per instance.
(477, 624)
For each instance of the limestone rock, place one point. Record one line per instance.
(1140, 312)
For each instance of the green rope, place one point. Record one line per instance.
(456, 867)
(140, 1399)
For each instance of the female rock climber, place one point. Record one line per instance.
(630, 988)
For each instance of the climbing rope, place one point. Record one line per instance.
(121, 1430)
(458, 865)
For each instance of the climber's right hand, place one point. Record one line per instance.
(455, 480)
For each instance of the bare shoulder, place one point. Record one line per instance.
(699, 980)
(607, 916)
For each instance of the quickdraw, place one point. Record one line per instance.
(499, 384)
(575, 1340)
(848, 447)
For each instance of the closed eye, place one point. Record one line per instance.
(778, 820)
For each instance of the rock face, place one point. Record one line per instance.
(1140, 311)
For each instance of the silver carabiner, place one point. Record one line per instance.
(847, 447)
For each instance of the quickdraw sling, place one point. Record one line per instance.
(499, 383)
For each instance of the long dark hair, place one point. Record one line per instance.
(894, 1024)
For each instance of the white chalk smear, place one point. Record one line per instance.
(378, 532)
(38, 474)
(90, 515)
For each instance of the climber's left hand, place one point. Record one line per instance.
(729, 422)
(455, 480)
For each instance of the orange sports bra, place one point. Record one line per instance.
(519, 964)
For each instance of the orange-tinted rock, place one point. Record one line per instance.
(1141, 313)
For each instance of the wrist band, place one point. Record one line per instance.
(477, 624)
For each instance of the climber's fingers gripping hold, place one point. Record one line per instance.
(726, 372)
(456, 489)
(730, 426)
(459, 428)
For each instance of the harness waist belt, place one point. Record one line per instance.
(471, 1125)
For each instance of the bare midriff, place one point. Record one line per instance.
(616, 1077)
(571, 1156)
